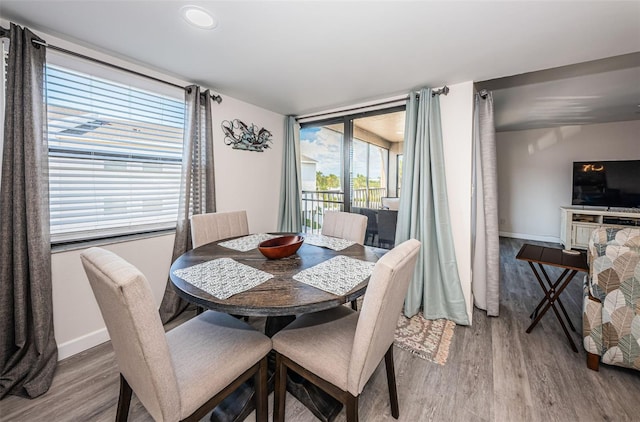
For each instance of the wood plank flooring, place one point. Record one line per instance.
(495, 372)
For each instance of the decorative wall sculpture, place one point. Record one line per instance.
(241, 136)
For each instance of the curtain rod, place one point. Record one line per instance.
(4, 33)
(442, 91)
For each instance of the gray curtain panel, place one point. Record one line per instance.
(290, 212)
(28, 352)
(486, 247)
(423, 214)
(197, 193)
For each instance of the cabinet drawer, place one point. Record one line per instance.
(581, 233)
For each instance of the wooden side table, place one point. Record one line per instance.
(572, 263)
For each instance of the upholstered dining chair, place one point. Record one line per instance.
(345, 225)
(183, 374)
(206, 228)
(339, 349)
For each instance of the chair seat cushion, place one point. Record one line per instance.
(321, 342)
(210, 351)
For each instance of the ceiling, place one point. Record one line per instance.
(606, 90)
(389, 126)
(300, 57)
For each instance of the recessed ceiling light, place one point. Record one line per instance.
(199, 17)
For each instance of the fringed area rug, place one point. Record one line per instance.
(427, 339)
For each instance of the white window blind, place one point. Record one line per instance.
(115, 156)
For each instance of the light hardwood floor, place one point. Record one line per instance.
(495, 372)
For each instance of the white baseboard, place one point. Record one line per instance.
(83, 343)
(551, 239)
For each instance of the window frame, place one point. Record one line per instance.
(127, 231)
(347, 121)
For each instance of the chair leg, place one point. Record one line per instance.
(124, 400)
(352, 408)
(593, 361)
(280, 393)
(391, 381)
(261, 395)
(354, 305)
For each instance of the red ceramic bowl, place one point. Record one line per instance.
(280, 247)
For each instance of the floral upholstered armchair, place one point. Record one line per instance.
(611, 306)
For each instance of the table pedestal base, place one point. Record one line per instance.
(239, 404)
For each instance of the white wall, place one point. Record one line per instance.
(244, 180)
(77, 321)
(535, 166)
(248, 180)
(457, 133)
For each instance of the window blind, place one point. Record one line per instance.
(115, 157)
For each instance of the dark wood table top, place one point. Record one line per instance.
(553, 256)
(279, 296)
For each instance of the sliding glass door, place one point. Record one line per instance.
(350, 164)
(322, 172)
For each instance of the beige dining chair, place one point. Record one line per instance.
(345, 225)
(206, 228)
(339, 349)
(183, 374)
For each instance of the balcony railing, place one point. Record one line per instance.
(368, 198)
(316, 203)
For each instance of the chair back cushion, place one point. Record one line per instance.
(381, 308)
(207, 228)
(129, 311)
(345, 225)
(390, 203)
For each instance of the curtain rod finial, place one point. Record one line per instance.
(444, 90)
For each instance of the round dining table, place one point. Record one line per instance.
(279, 296)
(279, 299)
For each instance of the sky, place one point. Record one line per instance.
(325, 146)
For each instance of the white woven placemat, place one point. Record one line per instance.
(337, 275)
(335, 243)
(246, 243)
(223, 277)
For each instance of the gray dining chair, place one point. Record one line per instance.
(339, 349)
(344, 225)
(210, 227)
(183, 374)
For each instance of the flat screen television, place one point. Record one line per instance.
(607, 183)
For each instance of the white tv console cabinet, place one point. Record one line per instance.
(576, 224)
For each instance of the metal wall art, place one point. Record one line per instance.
(241, 136)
